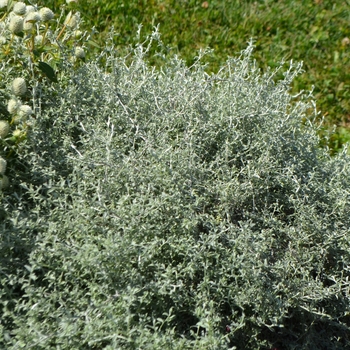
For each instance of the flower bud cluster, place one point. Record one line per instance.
(27, 34)
(19, 113)
(23, 17)
(33, 21)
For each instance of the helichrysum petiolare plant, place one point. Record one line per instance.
(35, 45)
(172, 209)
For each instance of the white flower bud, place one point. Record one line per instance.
(13, 105)
(4, 182)
(16, 24)
(4, 128)
(46, 14)
(27, 26)
(78, 34)
(38, 40)
(29, 9)
(25, 111)
(32, 17)
(72, 21)
(19, 87)
(17, 133)
(3, 164)
(3, 3)
(79, 52)
(2, 40)
(19, 8)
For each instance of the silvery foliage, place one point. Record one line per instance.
(168, 208)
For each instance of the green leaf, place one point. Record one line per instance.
(9, 5)
(93, 43)
(36, 53)
(48, 71)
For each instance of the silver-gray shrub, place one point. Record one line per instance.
(165, 208)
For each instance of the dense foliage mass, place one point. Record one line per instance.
(171, 209)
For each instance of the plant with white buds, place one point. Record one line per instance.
(33, 44)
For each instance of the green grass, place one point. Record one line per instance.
(312, 31)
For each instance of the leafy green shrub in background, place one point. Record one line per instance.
(172, 209)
